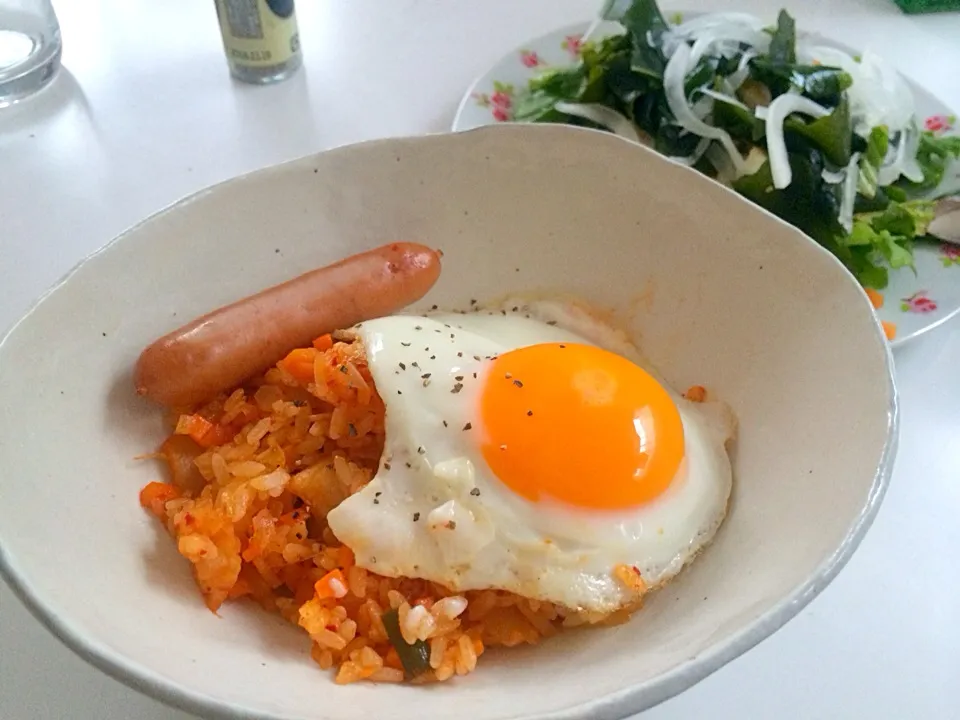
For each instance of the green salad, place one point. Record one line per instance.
(827, 141)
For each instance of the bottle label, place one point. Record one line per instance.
(258, 33)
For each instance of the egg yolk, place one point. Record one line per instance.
(579, 424)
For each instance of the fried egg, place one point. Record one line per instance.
(528, 449)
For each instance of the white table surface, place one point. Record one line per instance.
(146, 114)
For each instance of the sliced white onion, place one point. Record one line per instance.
(592, 29)
(890, 92)
(911, 168)
(777, 113)
(848, 194)
(614, 9)
(727, 40)
(742, 72)
(694, 26)
(695, 156)
(904, 160)
(610, 13)
(878, 95)
(893, 164)
(669, 42)
(703, 106)
(724, 98)
(605, 117)
(833, 177)
(761, 111)
(673, 84)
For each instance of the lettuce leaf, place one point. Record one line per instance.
(884, 238)
(934, 155)
(872, 159)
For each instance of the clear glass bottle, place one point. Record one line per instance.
(260, 38)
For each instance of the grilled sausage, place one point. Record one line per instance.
(225, 347)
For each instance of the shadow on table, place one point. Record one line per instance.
(63, 94)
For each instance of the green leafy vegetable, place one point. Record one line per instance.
(566, 83)
(880, 201)
(783, 45)
(817, 82)
(831, 133)
(669, 141)
(886, 235)
(934, 156)
(537, 107)
(702, 75)
(896, 219)
(646, 26)
(821, 83)
(740, 123)
(625, 72)
(728, 65)
(624, 84)
(864, 263)
(811, 205)
(808, 203)
(546, 90)
(872, 159)
(910, 218)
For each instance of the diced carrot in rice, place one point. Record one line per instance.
(202, 431)
(196, 426)
(323, 343)
(331, 585)
(154, 495)
(298, 364)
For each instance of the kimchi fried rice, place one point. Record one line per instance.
(253, 475)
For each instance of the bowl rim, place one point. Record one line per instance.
(613, 706)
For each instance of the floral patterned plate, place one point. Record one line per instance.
(913, 302)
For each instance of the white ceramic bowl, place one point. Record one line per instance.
(715, 291)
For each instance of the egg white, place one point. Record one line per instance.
(434, 509)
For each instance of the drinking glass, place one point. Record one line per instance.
(29, 48)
